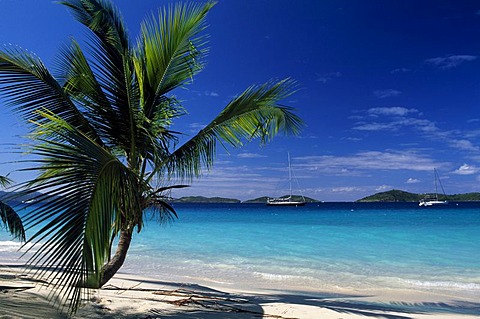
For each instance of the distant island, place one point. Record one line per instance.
(221, 200)
(206, 200)
(396, 195)
(263, 200)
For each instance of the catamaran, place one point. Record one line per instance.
(432, 199)
(287, 200)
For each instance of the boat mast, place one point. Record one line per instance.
(290, 174)
(435, 181)
(441, 185)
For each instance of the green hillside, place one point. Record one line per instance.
(201, 199)
(258, 200)
(263, 200)
(396, 195)
(464, 197)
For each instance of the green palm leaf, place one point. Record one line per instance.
(103, 18)
(80, 83)
(27, 85)
(11, 221)
(253, 114)
(170, 50)
(84, 189)
(5, 181)
(112, 68)
(114, 125)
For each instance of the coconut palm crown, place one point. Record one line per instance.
(103, 146)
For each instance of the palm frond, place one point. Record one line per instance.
(170, 50)
(80, 83)
(87, 194)
(103, 18)
(164, 189)
(253, 114)
(28, 86)
(160, 210)
(112, 67)
(5, 181)
(154, 137)
(11, 221)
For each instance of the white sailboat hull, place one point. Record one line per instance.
(432, 199)
(426, 203)
(279, 202)
(286, 200)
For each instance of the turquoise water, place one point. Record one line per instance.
(316, 247)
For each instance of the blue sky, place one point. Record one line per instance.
(388, 90)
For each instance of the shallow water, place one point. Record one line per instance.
(316, 247)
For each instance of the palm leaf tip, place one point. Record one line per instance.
(12, 221)
(283, 118)
(170, 48)
(256, 113)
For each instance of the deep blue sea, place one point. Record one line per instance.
(316, 247)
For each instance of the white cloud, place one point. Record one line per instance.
(365, 161)
(450, 61)
(347, 189)
(412, 181)
(375, 127)
(250, 155)
(195, 127)
(382, 188)
(393, 119)
(400, 70)
(472, 134)
(382, 94)
(227, 180)
(397, 124)
(397, 119)
(464, 145)
(210, 93)
(324, 78)
(466, 169)
(391, 111)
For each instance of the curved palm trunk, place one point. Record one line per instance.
(114, 264)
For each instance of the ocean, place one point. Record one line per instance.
(318, 247)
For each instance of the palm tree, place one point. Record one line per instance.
(10, 219)
(102, 140)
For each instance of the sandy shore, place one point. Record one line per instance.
(128, 296)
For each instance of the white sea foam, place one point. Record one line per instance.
(14, 247)
(444, 284)
(9, 246)
(278, 277)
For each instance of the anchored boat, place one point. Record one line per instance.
(287, 200)
(432, 199)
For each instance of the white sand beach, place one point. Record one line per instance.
(131, 296)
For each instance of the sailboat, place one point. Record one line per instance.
(432, 199)
(287, 200)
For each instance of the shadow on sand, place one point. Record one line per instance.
(186, 301)
(197, 301)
